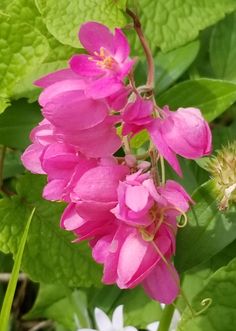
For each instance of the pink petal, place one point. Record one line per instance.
(70, 112)
(61, 87)
(54, 190)
(100, 183)
(85, 65)
(70, 220)
(163, 283)
(163, 147)
(54, 77)
(103, 87)
(136, 198)
(121, 44)
(93, 36)
(31, 158)
(101, 249)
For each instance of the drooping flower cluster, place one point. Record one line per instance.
(116, 203)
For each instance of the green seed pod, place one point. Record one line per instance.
(223, 171)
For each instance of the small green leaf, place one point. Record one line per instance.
(211, 96)
(139, 139)
(220, 315)
(74, 13)
(49, 257)
(15, 129)
(8, 299)
(223, 49)
(208, 230)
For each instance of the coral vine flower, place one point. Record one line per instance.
(108, 62)
(183, 132)
(137, 116)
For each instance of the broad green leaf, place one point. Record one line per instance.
(74, 13)
(49, 254)
(21, 48)
(4, 4)
(211, 96)
(4, 103)
(62, 305)
(170, 66)
(170, 24)
(56, 58)
(11, 288)
(220, 315)
(17, 122)
(223, 49)
(208, 230)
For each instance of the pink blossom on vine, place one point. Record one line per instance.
(108, 62)
(183, 132)
(137, 115)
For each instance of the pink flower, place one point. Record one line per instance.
(137, 115)
(108, 61)
(140, 202)
(147, 227)
(64, 167)
(183, 132)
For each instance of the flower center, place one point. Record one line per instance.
(105, 61)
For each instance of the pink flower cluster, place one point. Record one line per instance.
(116, 204)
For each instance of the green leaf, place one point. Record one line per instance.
(4, 103)
(62, 305)
(74, 13)
(49, 254)
(15, 128)
(220, 315)
(170, 24)
(56, 57)
(212, 96)
(22, 47)
(223, 49)
(208, 230)
(139, 310)
(12, 164)
(170, 66)
(139, 139)
(8, 299)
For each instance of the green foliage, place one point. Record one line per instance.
(170, 24)
(63, 19)
(220, 315)
(208, 230)
(22, 48)
(213, 97)
(49, 256)
(170, 66)
(223, 49)
(8, 299)
(59, 303)
(15, 129)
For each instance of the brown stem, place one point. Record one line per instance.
(146, 48)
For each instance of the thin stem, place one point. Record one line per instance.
(163, 176)
(166, 318)
(146, 48)
(2, 156)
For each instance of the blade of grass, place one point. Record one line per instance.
(8, 299)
